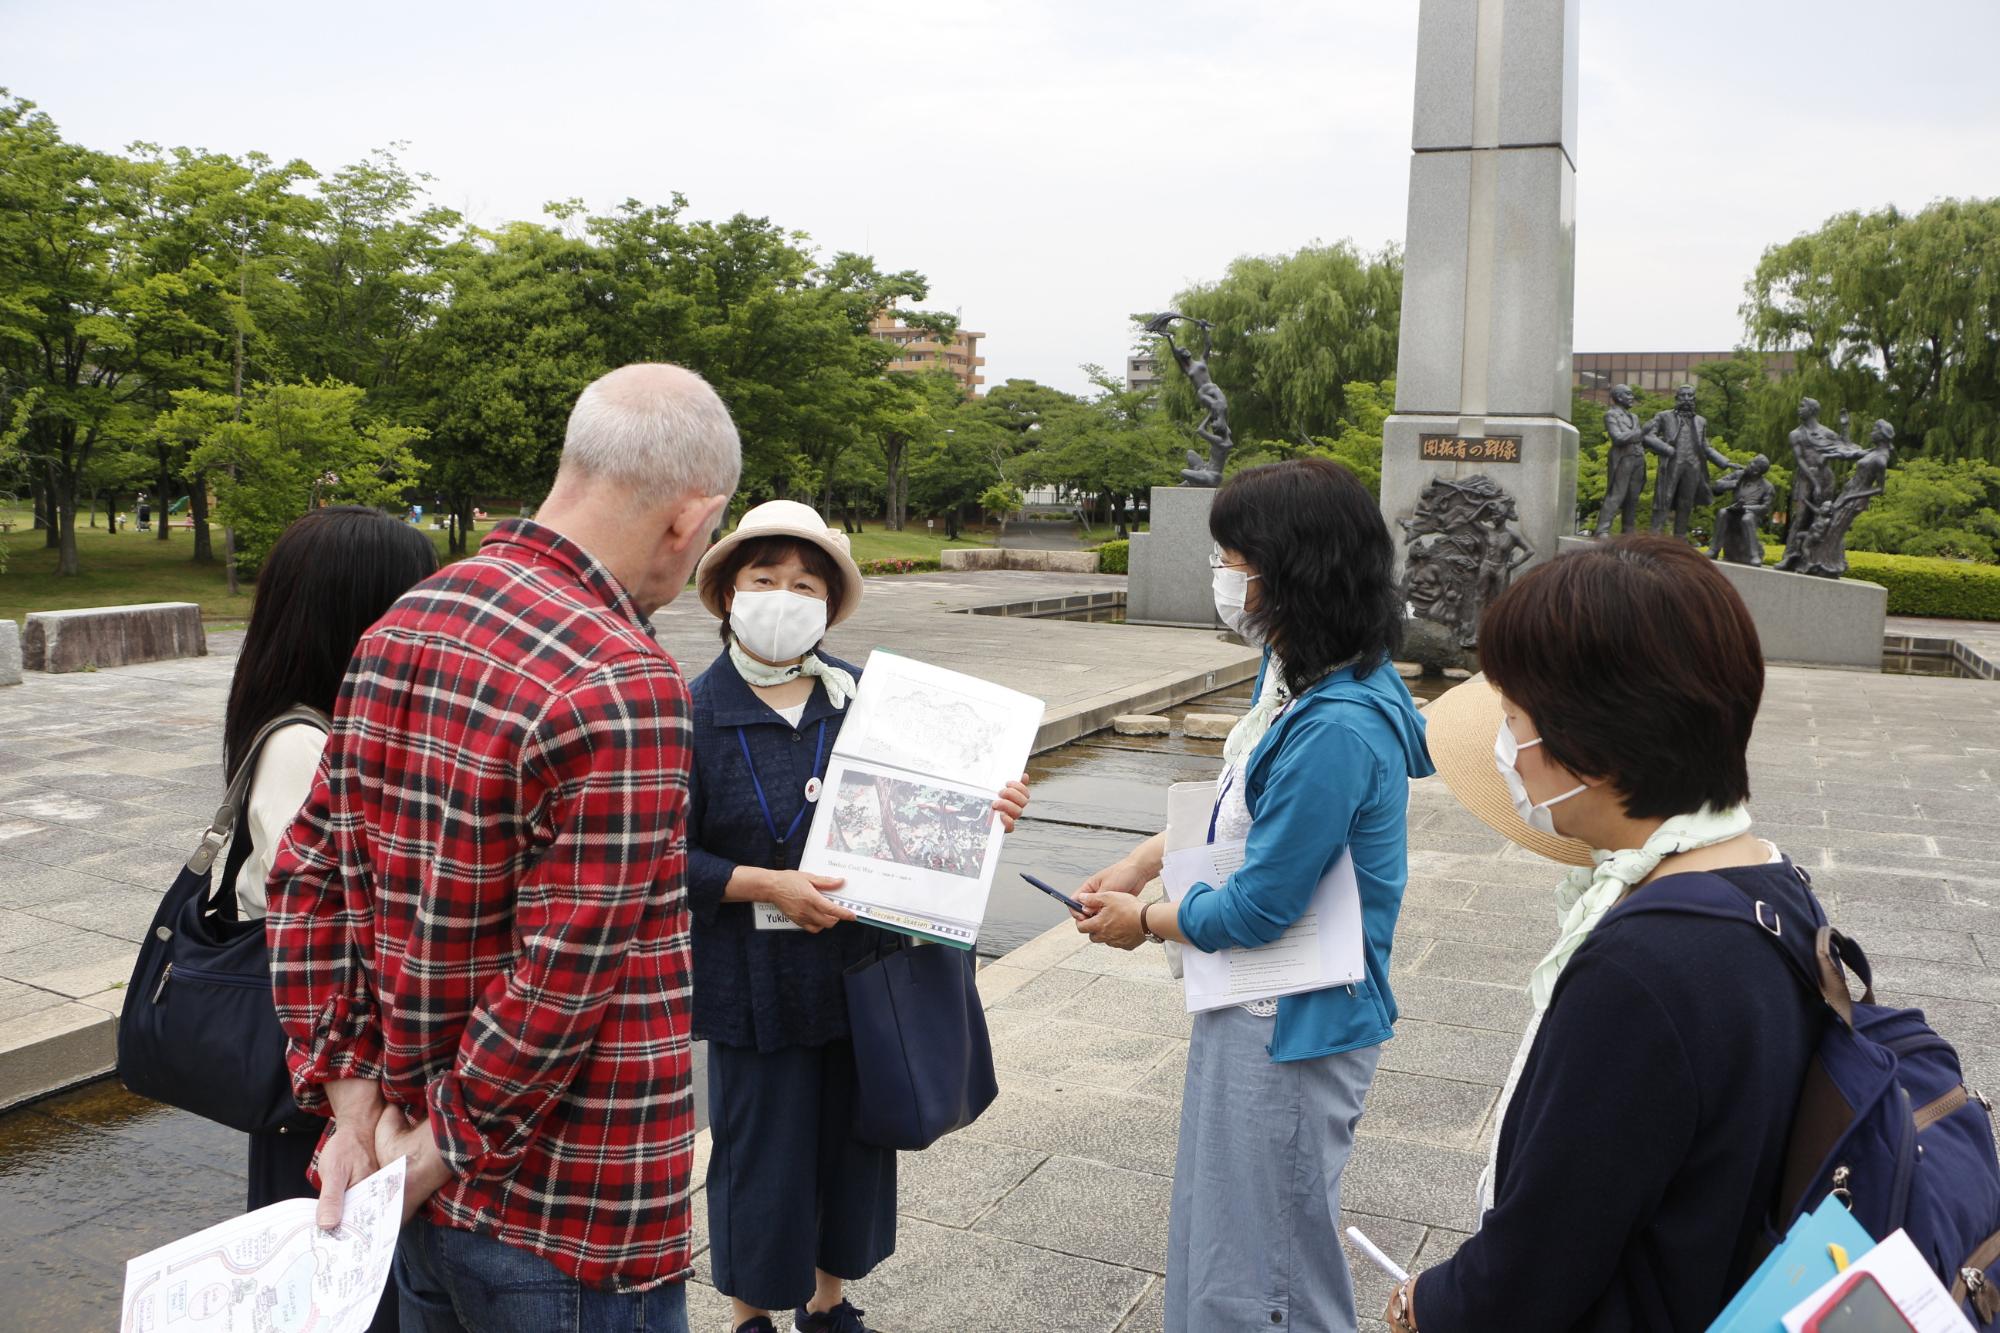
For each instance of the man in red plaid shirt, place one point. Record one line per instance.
(478, 922)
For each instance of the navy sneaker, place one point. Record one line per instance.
(842, 1318)
(761, 1324)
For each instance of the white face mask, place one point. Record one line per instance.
(777, 625)
(1232, 588)
(1506, 751)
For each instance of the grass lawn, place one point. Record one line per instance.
(131, 567)
(874, 542)
(136, 566)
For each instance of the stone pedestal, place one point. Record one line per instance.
(1490, 265)
(108, 636)
(1169, 579)
(10, 651)
(1803, 619)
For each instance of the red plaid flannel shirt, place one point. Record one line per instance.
(483, 905)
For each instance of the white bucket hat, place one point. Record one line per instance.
(792, 521)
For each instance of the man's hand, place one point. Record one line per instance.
(802, 898)
(1113, 920)
(348, 1156)
(425, 1172)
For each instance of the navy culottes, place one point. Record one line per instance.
(790, 1190)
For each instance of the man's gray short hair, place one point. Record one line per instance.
(657, 429)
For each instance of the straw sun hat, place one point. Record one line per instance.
(1460, 726)
(795, 522)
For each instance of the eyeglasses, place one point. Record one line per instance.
(1215, 561)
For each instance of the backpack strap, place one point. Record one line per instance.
(234, 800)
(1817, 954)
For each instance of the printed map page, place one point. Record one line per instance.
(274, 1270)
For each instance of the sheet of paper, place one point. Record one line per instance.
(905, 811)
(919, 718)
(1906, 1279)
(273, 1269)
(1320, 949)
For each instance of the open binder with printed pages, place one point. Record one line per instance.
(1322, 948)
(905, 814)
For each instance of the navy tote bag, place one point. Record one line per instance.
(923, 1062)
(199, 1029)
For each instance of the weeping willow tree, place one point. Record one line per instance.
(1893, 315)
(1290, 333)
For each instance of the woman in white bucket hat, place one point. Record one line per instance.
(796, 1205)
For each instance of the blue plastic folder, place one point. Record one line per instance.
(1795, 1270)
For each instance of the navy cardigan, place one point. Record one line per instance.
(764, 990)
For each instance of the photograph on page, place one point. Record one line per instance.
(918, 854)
(904, 815)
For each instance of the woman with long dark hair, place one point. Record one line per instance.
(1317, 770)
(328, 578)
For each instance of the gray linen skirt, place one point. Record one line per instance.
(1254, 1238)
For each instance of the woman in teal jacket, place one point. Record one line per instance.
(1318, 768)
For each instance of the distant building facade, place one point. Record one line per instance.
(1142, 372)
(1594, 373)
(919, 350)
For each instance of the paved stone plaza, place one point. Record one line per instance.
(1050, 1213)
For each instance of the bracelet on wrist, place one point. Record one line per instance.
(1146, 927)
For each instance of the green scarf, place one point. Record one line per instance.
(1585, 896)
(839, 684)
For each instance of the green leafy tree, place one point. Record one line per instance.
(1726, 393)
(295, 447)
(1933, 507)
(950, 470)
(204, 267)
(1107, 451)
(1894, 315)
(501, 366)
(66, 230)
(365, 269)
(1291, 331)
(912, 409)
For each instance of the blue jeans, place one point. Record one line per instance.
(450, 1280)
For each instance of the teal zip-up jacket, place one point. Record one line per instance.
(1331, 774)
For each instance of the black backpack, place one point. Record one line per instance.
(200, 1029)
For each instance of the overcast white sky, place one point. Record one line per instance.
(1022, 154)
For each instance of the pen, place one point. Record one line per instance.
(1375, 1256)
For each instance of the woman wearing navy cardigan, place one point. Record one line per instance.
(796, 1205)
(1318, 768)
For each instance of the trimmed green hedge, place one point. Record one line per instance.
(1923, 585)
(898, 566)
(1114, 557)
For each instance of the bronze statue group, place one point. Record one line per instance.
(1823, 508)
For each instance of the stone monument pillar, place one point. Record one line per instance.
(1483, 368)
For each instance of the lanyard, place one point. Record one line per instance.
(1216, 812)
(819, 754)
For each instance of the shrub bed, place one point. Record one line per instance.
(1114, 557)
(897, 566)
